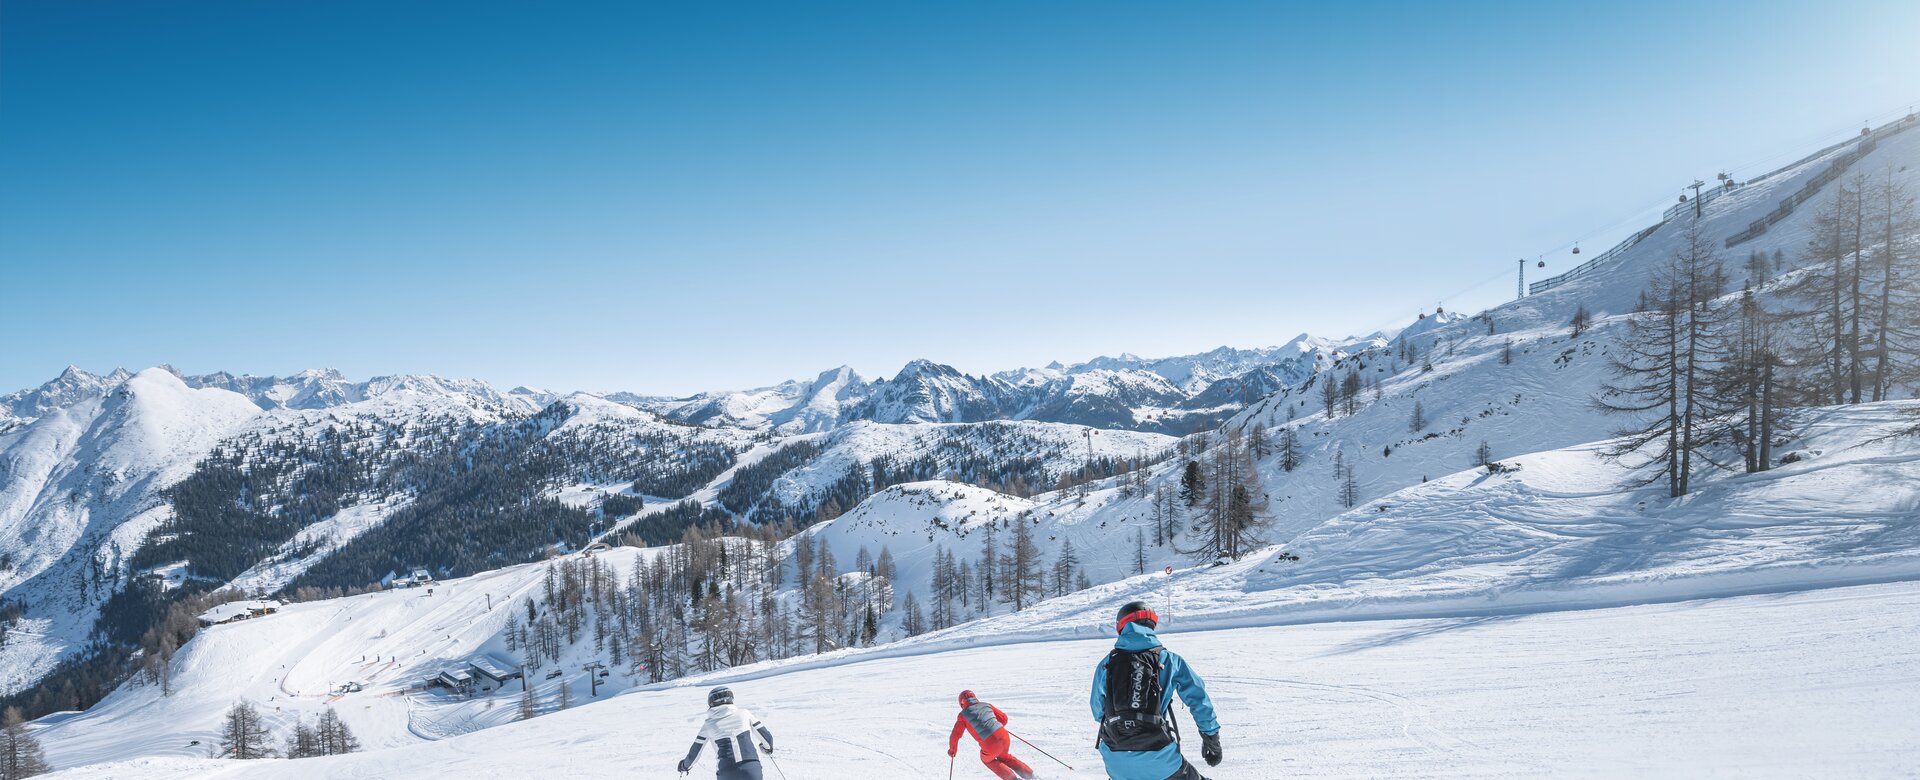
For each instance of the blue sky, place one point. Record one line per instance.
(676, 197)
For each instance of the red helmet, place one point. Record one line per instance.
(967, 698)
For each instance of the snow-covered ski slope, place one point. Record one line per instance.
(1814, 684)
(293, 664)
(1560, 534)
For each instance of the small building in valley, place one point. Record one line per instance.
(233, 611)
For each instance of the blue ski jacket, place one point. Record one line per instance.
(1175, 677)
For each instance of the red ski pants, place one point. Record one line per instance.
(993, 753)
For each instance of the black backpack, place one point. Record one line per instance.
(1135, 716)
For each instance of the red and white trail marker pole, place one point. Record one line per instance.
(1167, 597)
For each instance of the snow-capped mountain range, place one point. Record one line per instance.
(1175, 395)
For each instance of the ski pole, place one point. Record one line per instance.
(776, 765)
(950, 767)
(1023, 740)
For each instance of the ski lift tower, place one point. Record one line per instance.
(593, 678)
(1697, 184)
(1522, 291)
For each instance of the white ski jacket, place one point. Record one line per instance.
(731, 730)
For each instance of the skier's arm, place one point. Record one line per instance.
(1099, 698)
(953, 740)
(998, 714)
(765, 735)
(693, 753)
(1193, 692)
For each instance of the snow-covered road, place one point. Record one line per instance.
(1822, 683)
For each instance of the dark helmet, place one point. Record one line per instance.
(1134, 612)
(967, 698)
(719, 696)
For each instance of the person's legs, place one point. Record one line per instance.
(1018, 766)
(1187, 772)
(999, 768)
(993, 753)
(747, 771)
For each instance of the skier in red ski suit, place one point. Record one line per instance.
(988, 725)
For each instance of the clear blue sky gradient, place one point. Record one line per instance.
(675, 197)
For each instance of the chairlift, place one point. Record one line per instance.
(1683, 197)
(1576, 249)
(1543, 263)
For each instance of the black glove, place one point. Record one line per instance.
(685, 765)
(1210, 748)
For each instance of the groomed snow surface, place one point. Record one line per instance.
(1820, 683)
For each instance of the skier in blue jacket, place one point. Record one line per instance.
(1138, 738)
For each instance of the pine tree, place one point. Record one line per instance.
(1257, 441)
(1064, 567)
(989, 562)
(1192, 484)
(1419, 421)
(1139, 552)
(1746, 384)
(1483, 455)
(529, 707)
(303, 742)
(803, 558)
(914, 621)
(243, 735)
(564, 698)
(1894, 291)
(1329, 394)
(1233, 516)
(1023, 577)
(1581, 321)
(1662, 371)
(1289, 449)
(1350, 387)
(947, 587)
(1830, 342)
(1506, 353)
(20, 753)
(1759, 269)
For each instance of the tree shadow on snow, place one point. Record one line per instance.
(1413, 633)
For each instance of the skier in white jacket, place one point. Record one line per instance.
(731, 730)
